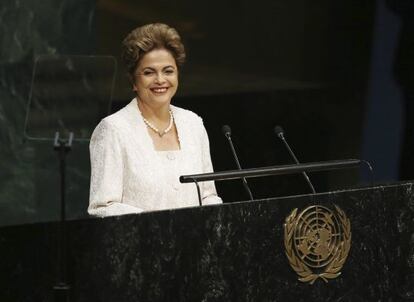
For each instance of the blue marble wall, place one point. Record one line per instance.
(29, 180)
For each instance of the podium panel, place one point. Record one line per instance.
(229, 252)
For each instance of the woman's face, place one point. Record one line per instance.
(156, 78)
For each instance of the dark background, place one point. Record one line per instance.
(337, 75)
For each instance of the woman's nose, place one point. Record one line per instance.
(160, 77)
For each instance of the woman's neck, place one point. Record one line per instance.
(154, 113)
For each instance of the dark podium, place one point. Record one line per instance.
(229, 252)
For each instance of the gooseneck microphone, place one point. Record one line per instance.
(227, 133)
(279, 132)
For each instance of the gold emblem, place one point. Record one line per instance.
(317, 242)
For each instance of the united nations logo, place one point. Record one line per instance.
(317, 242)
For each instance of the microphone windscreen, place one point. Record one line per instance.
(278, 130)
(226, 130)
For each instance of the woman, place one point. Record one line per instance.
(139, 152)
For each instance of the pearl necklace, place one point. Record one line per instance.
(155, 129)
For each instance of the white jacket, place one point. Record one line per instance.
(129, 176)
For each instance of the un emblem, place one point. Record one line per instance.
(317, 242)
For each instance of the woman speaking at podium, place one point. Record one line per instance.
(139, 152)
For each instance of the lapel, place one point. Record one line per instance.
(142, 142)
(182, 126)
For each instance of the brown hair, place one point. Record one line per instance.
(148, 37)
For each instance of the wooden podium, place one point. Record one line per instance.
(229, 252)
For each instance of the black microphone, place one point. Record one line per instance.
(227, 133)
(279, 132)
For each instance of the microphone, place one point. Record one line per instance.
(227, 133)
(279, 132)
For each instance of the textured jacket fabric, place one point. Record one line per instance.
(129, 176)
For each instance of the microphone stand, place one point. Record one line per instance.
(227, 134)
(62, 288)
(282, 137)
(244, 181)
(279, 132)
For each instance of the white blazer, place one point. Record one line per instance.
(129, 176)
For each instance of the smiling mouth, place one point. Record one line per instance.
(159, 89)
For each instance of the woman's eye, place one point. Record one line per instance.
(169, 71)
(148, 73)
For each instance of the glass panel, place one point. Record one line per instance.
(69, 94)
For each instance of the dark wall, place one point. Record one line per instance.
(237, 46)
